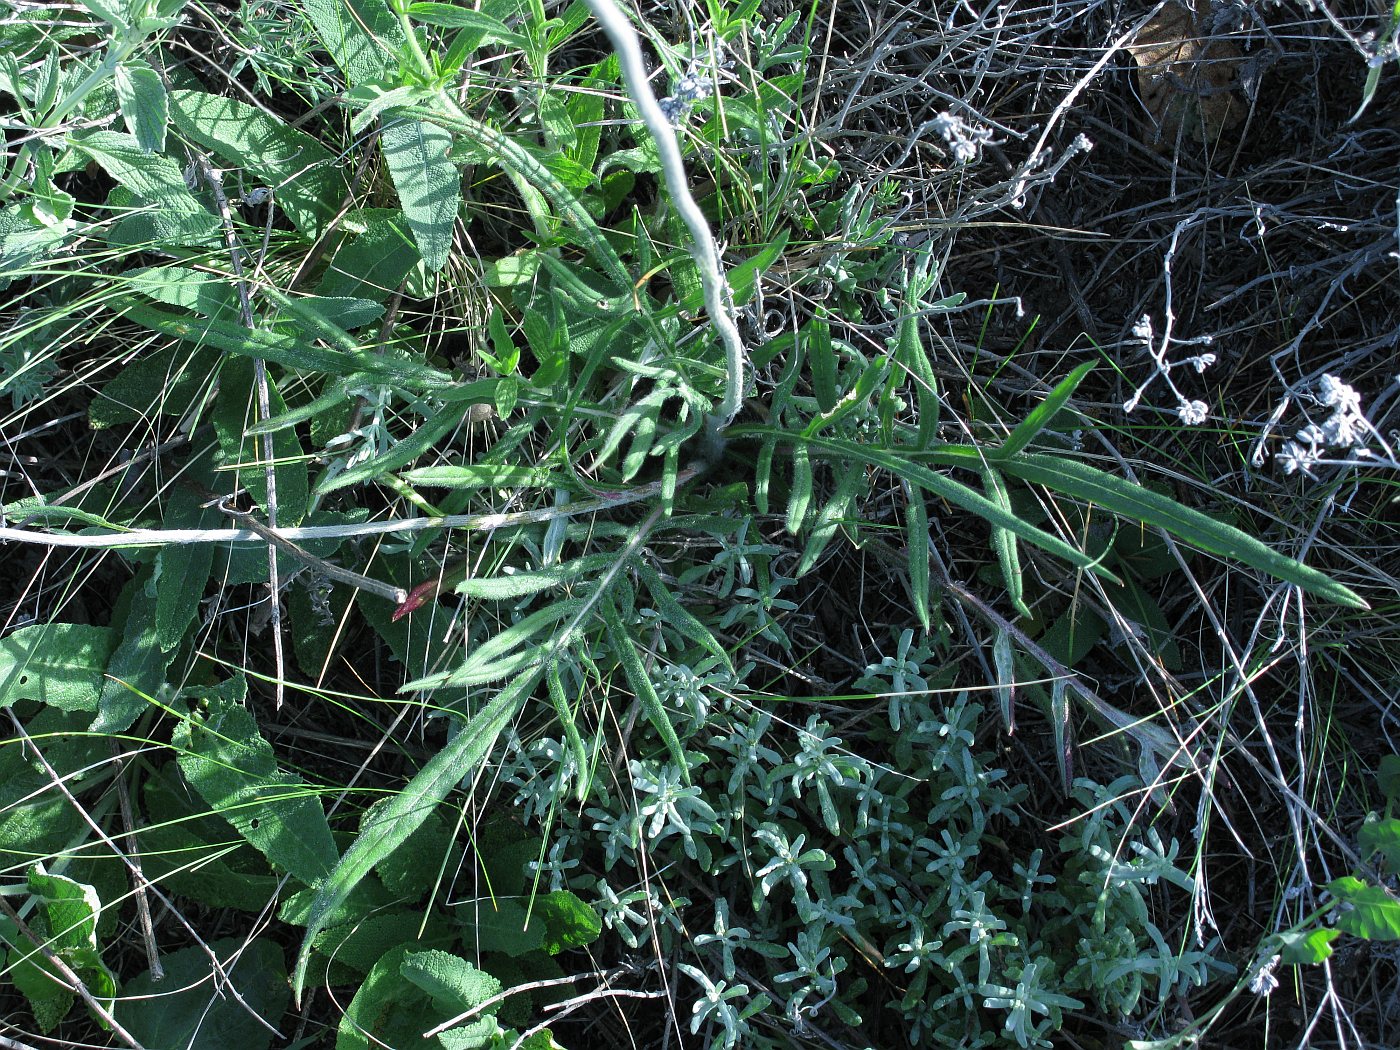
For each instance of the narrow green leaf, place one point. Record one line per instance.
(234, 770)
(916, 538)
(821, 359)
(429, 432)
(837, 510)
(428, 183)
(1059, 722)
(59, 664)
(533, 581)
(1040, 416)
(678, 616)
(1004, 661)
(959, 495)
(145, 109)
(292, 351)
(800, 497)
(411, 807)
(871, 379)
(481, 476)
(450, 16)
(1004, 541)
(640, 681)
(569, 722)
(503, 643)
(1200, 530)
(374, 100)
(337, 393)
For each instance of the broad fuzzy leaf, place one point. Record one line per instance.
(145, 109)
(191, 1009)
(428, 183)
(59, 664)
(235, 772)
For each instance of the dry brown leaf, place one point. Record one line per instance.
(1187, 79)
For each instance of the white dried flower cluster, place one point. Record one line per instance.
(1190, 411)
(1263, 982)
(1347, 428)
(964, 139)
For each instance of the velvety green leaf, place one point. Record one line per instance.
(426, 856)
(145, 109)
(362, 36)
(1382, 836)
(1305, 947)
(411, 807)
(1367, 911)
(307, 179)
(569, 922)
(205, 293)
(428, 183)
(46, 993)
(373, 264)
(354, 948)
(70, 909)
(155, 180)
(138, 663)
(452, 983)
(191, 1009)
(389, 1010)
(1389, 777)
(59, 664)
(234, 770)
(182, 569)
